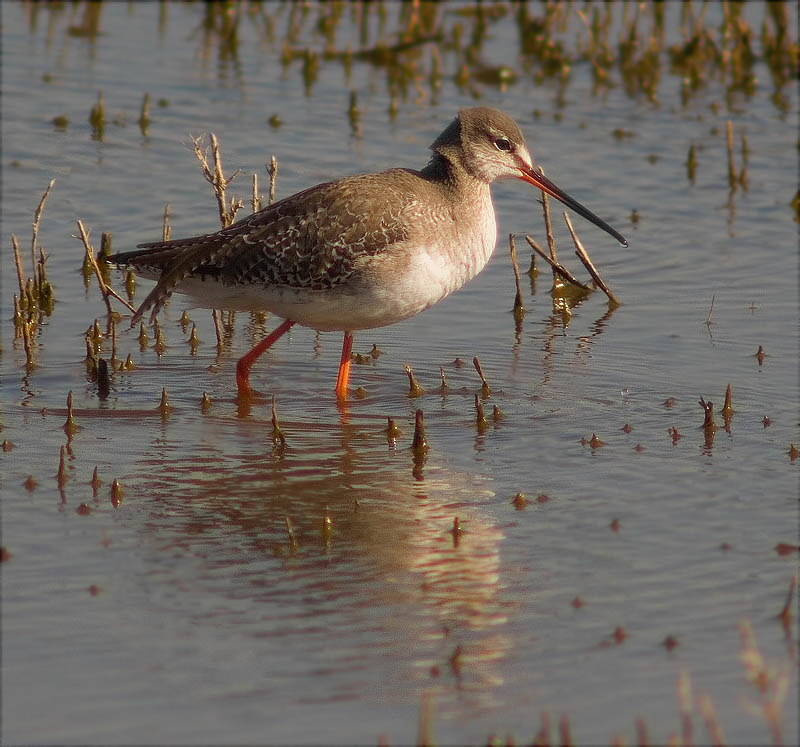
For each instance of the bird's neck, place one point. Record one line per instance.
(447, 172)
(473, 231)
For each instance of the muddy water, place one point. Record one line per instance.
(188, 611)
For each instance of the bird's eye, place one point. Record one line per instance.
(504, 144)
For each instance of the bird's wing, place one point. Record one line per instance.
(313, 239)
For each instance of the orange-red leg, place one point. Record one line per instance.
(246, 361)
(344, 367)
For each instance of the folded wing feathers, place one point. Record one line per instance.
(311, 239)
(179, 261)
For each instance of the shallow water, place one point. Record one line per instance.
(185, 614)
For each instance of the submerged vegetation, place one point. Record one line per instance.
(419, 45)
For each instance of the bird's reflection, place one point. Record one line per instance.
(346, 518)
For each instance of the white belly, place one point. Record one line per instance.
(386, 296)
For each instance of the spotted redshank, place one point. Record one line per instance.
(359, 252)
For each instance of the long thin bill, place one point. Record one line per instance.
(542, 182)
